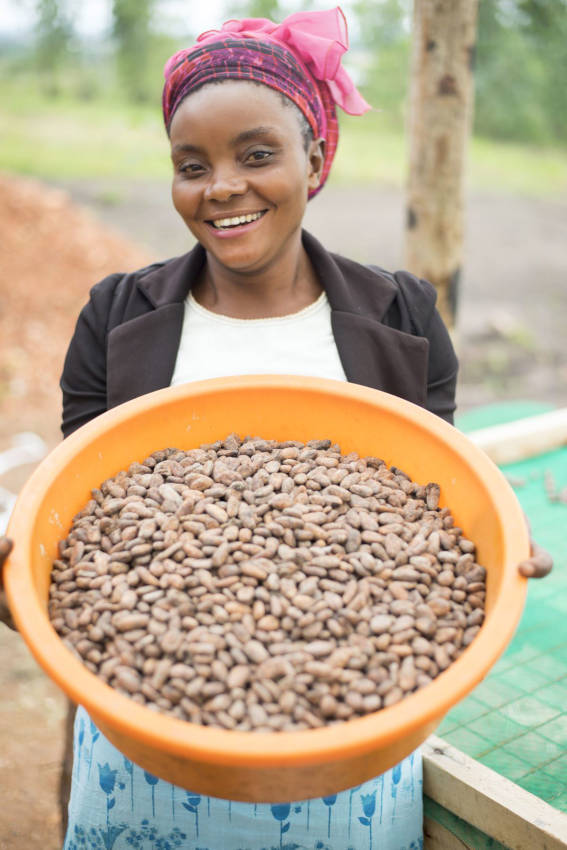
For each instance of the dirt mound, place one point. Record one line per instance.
(52, 253)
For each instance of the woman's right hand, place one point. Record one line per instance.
(5, 615)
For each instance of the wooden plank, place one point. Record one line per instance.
(437, 837)
(490, 802)
(443, 830)
(515, 441)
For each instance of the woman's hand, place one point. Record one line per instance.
(5, 616)
(540, 562)
(538, 565)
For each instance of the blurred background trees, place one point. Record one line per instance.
(384, 37)
(53, 36)
(255, 9)
(520, 62)
(133, 35)
(59, 67)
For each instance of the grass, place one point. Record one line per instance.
(518, 169)
(371, 150)
(65, 138)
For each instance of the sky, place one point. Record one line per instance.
(92, 17)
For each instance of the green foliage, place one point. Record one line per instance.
(547, 33)
(520, 68)
(132, 33)
(519, 77)
(385, 37)
(53, 37)
(256, 9)
(521, 60)
(160, 48)
(382, 24)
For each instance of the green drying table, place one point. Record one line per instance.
(515, 721)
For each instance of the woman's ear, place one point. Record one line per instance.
(316, 158)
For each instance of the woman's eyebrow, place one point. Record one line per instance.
(251, 134)
(186, 148)
(245, 136)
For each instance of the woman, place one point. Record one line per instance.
(250, 113)
(259, 144)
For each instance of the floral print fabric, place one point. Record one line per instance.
(116, 805)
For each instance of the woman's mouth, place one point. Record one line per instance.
(236, 224)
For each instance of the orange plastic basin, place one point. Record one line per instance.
(287, 765)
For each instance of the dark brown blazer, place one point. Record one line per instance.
(388, 334)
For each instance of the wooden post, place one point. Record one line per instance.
(441, 100)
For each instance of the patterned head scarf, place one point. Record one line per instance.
(300, 58)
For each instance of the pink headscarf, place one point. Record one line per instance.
(301, 57)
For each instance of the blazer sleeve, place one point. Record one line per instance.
(83, 381)
(418, 299)
(443, 368)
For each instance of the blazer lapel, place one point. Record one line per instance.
(141, 352)
(372, 354)
(377, 356)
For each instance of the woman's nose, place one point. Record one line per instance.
(223, 184)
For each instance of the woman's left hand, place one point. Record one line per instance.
(538, 565)
(5, 615)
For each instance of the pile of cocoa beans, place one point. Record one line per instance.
(268, 586)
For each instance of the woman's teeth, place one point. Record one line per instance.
(236, 220)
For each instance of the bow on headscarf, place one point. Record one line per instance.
(301, 58)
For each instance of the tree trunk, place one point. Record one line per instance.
(441, 100)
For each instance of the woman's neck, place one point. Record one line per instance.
(286, 285)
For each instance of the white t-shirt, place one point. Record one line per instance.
(214, 346)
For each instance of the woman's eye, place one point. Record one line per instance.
(191, 168)
(259, 156)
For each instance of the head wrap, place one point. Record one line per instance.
(300, 58)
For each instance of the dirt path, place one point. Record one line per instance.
(511, 342)
(31, 740)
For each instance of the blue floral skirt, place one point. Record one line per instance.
(116, 805)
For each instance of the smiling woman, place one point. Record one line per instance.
(241, 182)
(250, 114)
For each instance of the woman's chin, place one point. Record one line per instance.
(237, 258)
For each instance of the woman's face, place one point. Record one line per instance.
(241, 172)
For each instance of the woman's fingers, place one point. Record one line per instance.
(538, 565)
(5, 617)
(5, 548)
